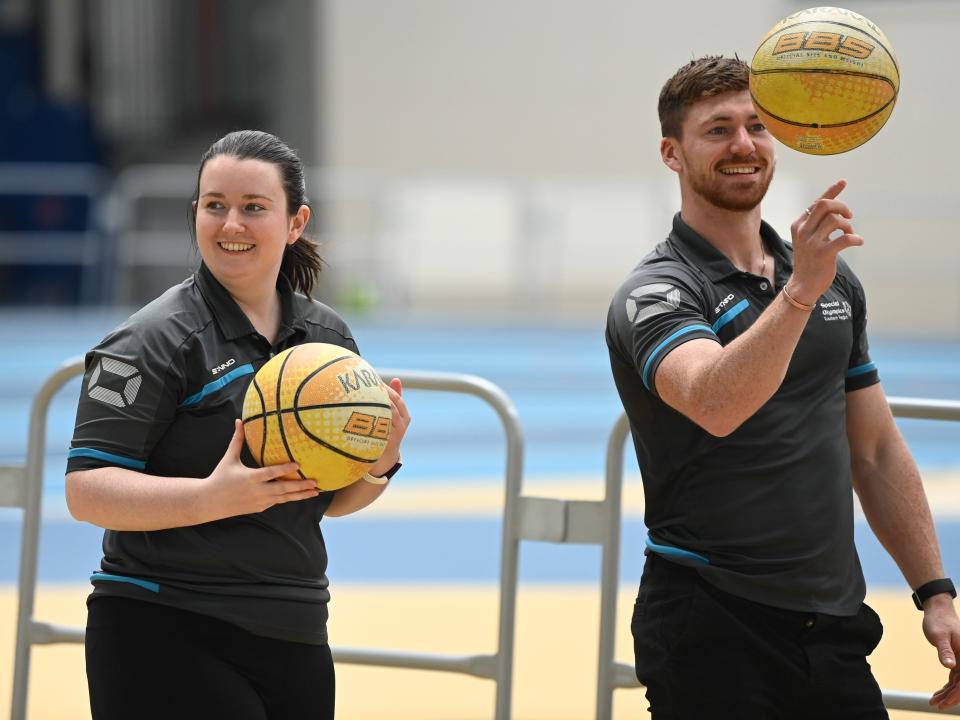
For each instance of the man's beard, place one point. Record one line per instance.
(726, 196)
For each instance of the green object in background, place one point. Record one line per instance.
(359, 299)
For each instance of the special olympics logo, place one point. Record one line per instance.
(114, 383)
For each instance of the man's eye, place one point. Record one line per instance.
(717, 131)
(758, 127)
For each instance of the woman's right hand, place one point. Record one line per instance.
(235, 489)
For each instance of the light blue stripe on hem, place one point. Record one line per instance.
(730, 314)
(861, 369)
(661, 346)
(212, 387)
(145, 584)
(675, 552)
(109, 457)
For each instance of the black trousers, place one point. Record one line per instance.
(150, 661)
(705, 653)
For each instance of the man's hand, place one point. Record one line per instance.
(942, 628)
(819, 235)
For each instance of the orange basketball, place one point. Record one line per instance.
(322, 407)
(824, 80)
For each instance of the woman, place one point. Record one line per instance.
(212, 596)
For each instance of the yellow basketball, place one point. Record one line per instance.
(824, 80)
(321, 406)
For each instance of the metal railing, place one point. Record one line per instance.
(524, 518)
(612, 674)
(22, 486)
(89, 249)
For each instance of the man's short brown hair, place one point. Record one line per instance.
(698, 79)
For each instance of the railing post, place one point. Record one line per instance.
(30, 533)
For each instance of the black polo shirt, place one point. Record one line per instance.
(765, 513)
(159, 396)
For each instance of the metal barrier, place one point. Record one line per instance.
(611, 674)
(89, 249)
(22, 486)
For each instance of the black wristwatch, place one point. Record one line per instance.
(934, 587)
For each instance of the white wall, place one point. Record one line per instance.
(555, 101)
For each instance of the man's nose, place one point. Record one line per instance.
(742, 143)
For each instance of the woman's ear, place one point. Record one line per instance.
(298, 223)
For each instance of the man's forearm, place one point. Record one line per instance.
(722, 389)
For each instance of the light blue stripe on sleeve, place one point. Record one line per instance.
(212, 387)
(675, 552)
(145, 584)
(730, 314)
(109, 457)
(661, 346)
(861, 369)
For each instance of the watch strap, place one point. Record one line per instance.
(934, 587)
(385, 478)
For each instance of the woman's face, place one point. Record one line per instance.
(242, 223)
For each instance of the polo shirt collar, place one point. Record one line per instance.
(714, 263)
(231, 319)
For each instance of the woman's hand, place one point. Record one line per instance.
(399, 421)
(235, 489)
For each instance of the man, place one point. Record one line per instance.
(742, 363)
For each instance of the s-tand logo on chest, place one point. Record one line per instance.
(223, 366)
(724, 304)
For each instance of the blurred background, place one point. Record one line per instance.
(483, 175)
(466, 156)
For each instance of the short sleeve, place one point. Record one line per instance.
(861, 370)
(652, 313)
(128, 398)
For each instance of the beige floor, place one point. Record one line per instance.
(555, 660)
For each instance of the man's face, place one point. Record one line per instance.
(726, 156)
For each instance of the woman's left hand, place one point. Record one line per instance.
(399, 421)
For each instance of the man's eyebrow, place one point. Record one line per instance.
(721, 117)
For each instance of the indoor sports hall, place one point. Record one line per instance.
(483, 176)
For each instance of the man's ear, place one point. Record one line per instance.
(670, 154)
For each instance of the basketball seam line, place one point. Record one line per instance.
(816, 126)
(263, 404)
(296, 414)
(322, 406)
(283, 435)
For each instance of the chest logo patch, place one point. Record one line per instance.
(647, 301)
(836, 310)
(114, 382)
(223, 366)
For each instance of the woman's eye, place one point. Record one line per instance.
(253, 207)
(214, 205)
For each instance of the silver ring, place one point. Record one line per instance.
(807, 210)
